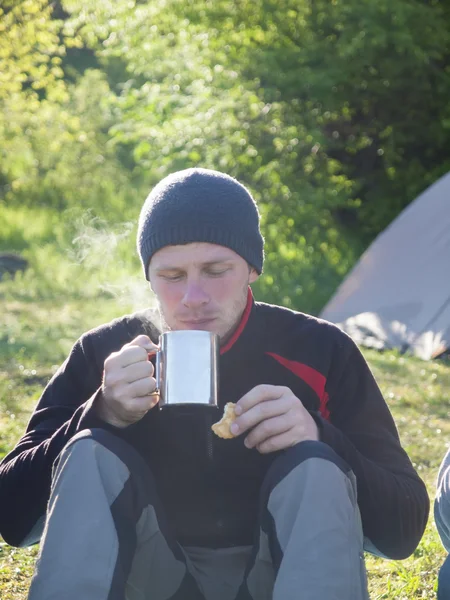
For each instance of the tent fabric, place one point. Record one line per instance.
(398, 294)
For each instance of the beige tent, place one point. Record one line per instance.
(398, 294)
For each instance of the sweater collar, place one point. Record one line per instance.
(242, 323)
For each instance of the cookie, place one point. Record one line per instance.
(222, 427)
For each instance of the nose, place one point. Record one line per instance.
(194, 295)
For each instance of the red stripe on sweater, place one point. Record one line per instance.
(242, 324)
(310, 376)
(323, 408)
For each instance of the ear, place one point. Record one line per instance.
(253, 275)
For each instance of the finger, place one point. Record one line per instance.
(134, 409)
(260, 412)
(277, 442)
(136, 371)
(139, 406)
(143, 341)
(268, 429)
(260, 393)
(141, 387)
(130, 355)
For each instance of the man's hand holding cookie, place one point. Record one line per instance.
(274, 418)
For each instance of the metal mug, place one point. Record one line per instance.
(186, 368)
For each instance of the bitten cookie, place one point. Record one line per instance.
(222, 427)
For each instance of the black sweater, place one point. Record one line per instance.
(209, 486)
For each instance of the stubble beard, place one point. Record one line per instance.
(235, 315)
(230, 319)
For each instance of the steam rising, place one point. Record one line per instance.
(103, 253)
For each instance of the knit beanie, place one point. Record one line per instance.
(200, 205)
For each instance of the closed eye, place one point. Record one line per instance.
(171, 276)
(216, 272)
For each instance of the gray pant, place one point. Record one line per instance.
(105, 537)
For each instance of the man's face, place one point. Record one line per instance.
(201, 286)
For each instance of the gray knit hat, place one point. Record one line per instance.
(199, 205)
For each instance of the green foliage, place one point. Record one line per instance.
(54, 141)
(335, 114)
(30, 55)
(30, 49)
(303, 102)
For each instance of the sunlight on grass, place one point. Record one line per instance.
(16, 568)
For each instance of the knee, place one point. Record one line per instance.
(311, 449)
(303, 457)
(309, 471)
(84, 442)
(92, 437)
(97, 455)
(102, 446)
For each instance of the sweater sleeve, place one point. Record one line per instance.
(65, 408)
(442, 502)
(393, 500)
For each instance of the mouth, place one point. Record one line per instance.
(197, 323)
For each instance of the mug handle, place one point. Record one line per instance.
(157, 391)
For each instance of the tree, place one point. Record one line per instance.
(303, 101)
(334, 113)
(53, 127)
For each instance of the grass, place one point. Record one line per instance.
(43, 321)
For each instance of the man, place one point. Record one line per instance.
(130, 501)
(442, 519)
